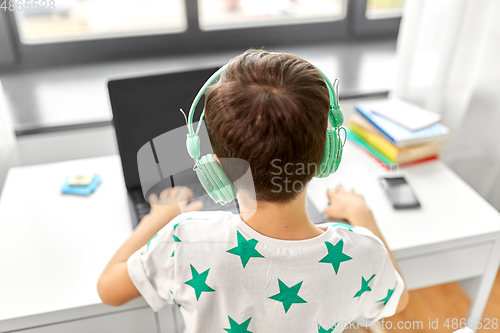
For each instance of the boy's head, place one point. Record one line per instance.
(271, 110)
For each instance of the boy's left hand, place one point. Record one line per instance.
(173, 202)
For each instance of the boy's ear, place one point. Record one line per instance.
(217, 159)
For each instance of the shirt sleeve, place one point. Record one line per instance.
(152, 268)
(383, 299)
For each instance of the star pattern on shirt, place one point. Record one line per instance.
(198, 282)
(173, 299)
(245, 249)
(176, 239)
(329, 330)
(147, 246)
(350, 227)
(288, 295)
(388, 297)
(238, 328)
(364, 286)
(335, 255)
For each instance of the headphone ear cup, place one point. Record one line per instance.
(338, 151)
(215, 181)
(329, 162)
(336, 117)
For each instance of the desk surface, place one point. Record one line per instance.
(451, 210)
(53, 247)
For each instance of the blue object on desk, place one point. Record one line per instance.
(81, 190)
(399, 135)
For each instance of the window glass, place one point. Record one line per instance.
(42, 21)
(226, 14)
(379, 9)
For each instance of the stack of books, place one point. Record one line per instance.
(396, 133)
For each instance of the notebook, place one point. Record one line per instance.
(405, 114)
(398, 134)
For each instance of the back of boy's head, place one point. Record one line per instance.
(270, 110)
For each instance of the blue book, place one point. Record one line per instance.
(399, 135)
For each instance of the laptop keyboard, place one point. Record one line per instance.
(142, 207)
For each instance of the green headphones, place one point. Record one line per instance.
(215, 181)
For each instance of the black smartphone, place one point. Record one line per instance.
(399, 192)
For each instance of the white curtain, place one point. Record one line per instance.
(8, 148)
(449, 62)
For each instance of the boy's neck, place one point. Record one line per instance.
(282, 221)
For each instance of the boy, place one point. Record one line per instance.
(274, 271)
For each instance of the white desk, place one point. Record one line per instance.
(54, 247)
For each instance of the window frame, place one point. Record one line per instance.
(7, 55)
(192, 40)
(363, 26)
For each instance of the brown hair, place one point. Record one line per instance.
(270, 110)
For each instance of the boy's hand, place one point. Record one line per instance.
(344, 203)
(172, 202)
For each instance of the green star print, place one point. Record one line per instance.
(288, 295)
(335, 255)
(198, 282)
(176, 239)
(388, 297)
(350, 227)
(238, 328)
(330, 330)
(364, 286)
(147, 246)
(245, 249)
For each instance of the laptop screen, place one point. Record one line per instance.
(146, 107)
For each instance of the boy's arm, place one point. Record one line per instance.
(352, 207)
(115, 286)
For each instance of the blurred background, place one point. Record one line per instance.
(90, 19)
(56, 57)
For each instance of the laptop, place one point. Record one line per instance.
(145, 110)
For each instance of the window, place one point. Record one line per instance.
(226, 14)
(78, 31)
(41, 21)
(380, 9)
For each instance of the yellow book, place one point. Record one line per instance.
(386, 148)
(376, 141)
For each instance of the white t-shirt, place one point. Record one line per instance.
(227, 277)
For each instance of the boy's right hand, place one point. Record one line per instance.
(172, 202)
(344, 203)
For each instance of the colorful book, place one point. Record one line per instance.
(399, 135)
(363, 129)
(381, 159)
(357, 140)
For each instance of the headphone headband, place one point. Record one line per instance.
(202, 91)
